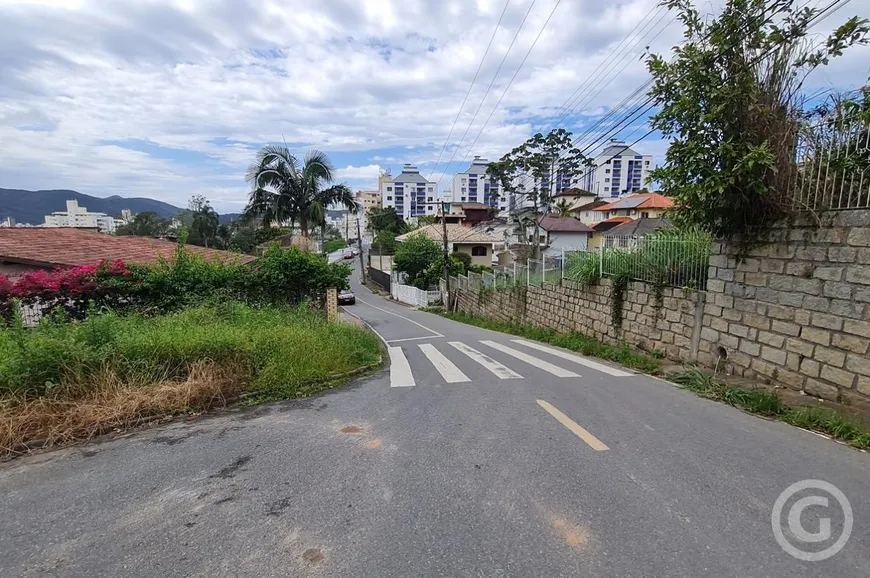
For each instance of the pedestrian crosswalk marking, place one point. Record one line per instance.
(445, 367)
(575, 358)
(539, 363)
(400, 370)
(499, 370)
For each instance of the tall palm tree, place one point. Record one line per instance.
(283, 190)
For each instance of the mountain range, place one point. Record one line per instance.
(32, 206)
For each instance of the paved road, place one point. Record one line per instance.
(472, 455)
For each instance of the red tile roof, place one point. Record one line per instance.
(67, 247)
(563, 224)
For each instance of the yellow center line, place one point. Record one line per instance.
(592, 441)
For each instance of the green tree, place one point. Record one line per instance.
(463, 258)
(146, 224)
(386, 219)
(384, 243)
(561, 208)
(287, 191)
(538, 168)
(203, 221)
(729, 103)
(414, 256)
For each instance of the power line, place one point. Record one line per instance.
(564, 105)
(470, 86)
(649, 104)
(510, 82)
(488, 88)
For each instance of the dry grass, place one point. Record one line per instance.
(72, 414)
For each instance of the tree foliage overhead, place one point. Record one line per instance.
(730, 101)
(287, 191)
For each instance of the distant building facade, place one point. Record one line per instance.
(617, 171)
(475, 186)
(76, 216)
(410, 193)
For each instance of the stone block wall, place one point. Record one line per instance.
(651, 321)
(796, 311)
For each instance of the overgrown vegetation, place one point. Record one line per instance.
(334, 245)
(63, 381)
(281, 276)
(769, 404)
(730, 102)
(574, 341)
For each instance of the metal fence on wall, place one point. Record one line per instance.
(678, 261)
(831, 168)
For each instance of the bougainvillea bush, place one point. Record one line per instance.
(281, 276)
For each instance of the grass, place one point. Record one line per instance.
(573, 341)
(66, 381)
(769, 404)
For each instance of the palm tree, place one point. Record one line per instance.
(285, 191)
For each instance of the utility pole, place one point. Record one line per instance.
(446, 254)
(362, 266)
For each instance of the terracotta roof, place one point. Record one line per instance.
(563, 224)
(639, 201)
(638, 228)
(455, 234)
(67, 247)
(574, 192)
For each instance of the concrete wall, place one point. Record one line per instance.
(795, 311)
(565, 240)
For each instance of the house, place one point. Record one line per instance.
(639, 206)
(460, 239)
(467, 214)
(602, 227)
(558, 233)
(32, 248)
(590, 213)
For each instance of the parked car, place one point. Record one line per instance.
(346, 297)
(348, 254)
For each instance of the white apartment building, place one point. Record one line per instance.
(76, 216)
(618, 171)
(475, 186)
(410, 193)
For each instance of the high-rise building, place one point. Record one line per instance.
(410, 193)
(76, 216)
(618, 171)
(475, 186)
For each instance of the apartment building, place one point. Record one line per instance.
(410, 193)
(76, 216)
(474, 186)
(618, 171)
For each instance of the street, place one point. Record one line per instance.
(473, 454)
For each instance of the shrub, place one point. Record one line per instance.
(288, 275)
(414, 257)
(334, 245)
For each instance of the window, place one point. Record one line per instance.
(430, 189)
(608, 162)
(390, 189)
(606, 180)
(429, 199)
(644, 215)
(463, 189)
(646, 163)
(389, 198)
(607, 171)
(463, 198)
(478, 251)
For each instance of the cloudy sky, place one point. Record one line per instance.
(169, 98)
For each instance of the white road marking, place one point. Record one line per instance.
(411, 339)
(575, 358)
(500, 371)
(401, 317)
(400, 370)
(367, 324)
(445, 367)
(539, 363)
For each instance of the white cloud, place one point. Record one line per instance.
(214, 80)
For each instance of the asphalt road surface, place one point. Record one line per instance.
(473, 454)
